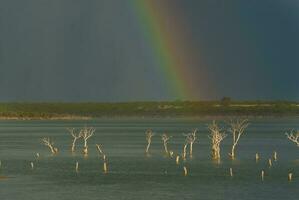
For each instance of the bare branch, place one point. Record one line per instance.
(75, 137)
(49, 143)
(190, 139)
(237, 128)
(216, 136)
(294, 137)
(165, 138)
(148, 134)
(86, 133)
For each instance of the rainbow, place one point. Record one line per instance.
(168, 42)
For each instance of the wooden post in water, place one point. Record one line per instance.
(171, 154)
(37, 156)
(105, 169)
(231, 172)
(270, 162)
(177, 159)
(77, 167)
(257, 157)
(185, 171)
(290, 176)
(275, 156)
(262, 175)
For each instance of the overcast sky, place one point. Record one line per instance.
(94, 50)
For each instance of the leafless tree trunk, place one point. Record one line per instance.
(50, 144)
(165, 138)
(101, 152)
(216, 137)
(190, 139)
(86, 133)
(149, 134)
(105, 168)
(75, 137)
(185, 151)
(237, 128)
(294, 137)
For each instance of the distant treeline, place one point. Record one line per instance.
(150, 109)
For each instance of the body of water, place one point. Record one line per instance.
(132, 175)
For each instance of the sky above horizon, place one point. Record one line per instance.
(73, 50)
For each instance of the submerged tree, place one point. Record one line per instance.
(100, 151)
(50, 144)
(216, 136)
(237, 128)
(148, 134)
(294, 137)
(86, 132)
(190, 139)
(185, 150)
(165, 138)
(75, 137)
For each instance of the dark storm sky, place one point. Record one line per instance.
(94, 50)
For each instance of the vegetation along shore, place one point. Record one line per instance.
(224, 107)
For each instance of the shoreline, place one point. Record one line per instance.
(151, 110)
(195, 117)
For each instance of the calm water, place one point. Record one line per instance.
(134, 176)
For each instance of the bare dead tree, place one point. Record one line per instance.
(236, 128)
(99, 148)
(148, 134)
(86, 132)
(165, 138)
(216, 136)
(101, 152)
(294, 137)
(190, 139)
(75, 137)
(50, 144)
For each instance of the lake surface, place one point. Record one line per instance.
(132, 175)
